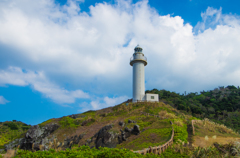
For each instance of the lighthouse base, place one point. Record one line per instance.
(149, 98)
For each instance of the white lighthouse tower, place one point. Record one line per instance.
(138, 61)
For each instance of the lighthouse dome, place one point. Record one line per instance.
(138, 49)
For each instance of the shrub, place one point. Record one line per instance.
(11, 125)
(180, 133)
(67, 122)
(25, 127)
(84, 151)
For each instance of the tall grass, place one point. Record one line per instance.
(213, 126)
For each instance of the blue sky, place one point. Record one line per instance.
(64, 57)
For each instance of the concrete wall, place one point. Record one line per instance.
(152, 97)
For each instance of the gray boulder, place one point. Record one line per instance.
(136, 130)
(35, 135)
(127, 133)
(14, 144)
(68, 142)
(105, 138)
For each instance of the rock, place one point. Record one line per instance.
(35, 135)
(121, 123)
(136, 130)
(74, 116)
(13, 144)
(104, 138)
(127, 133)
(68, 142)
(76, 138)
(131, 121)
(124, 135)
(89, 140)
(35, 132)
(120, 140)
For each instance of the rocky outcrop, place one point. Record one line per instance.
(128, 132)
(136, 130)
(13, 144)
(131, 121)
(74, 116)
(121, 123)
(34, 137)
(68, 142)
(105, 138)
(38, 138)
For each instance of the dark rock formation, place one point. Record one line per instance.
(14, 143)
(74, 116)
(121, 123)
(35, 135)
(136, 130)
(131, 121)
(105, 138)
(68, 142)
(127, 133)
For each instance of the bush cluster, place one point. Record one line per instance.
(221, 105)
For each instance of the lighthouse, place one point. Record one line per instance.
(138, 61)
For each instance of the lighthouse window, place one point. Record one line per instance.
(152, 97)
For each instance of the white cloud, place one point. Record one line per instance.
(101, 103)
(66, 45)
(38, 81)
(3, 100)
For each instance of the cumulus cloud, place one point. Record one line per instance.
(101, 103)
(91, 51)
(39, 82)
(3, 100)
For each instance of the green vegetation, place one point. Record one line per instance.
(89, 113)
(230, 150)
(157, 133)
(11, 130)
(180, 133)
(175, 153)
(11, 125)
(221, 105)
(83, 151)
(46, 122)
(68, 122)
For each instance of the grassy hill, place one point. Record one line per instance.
(154, 131)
